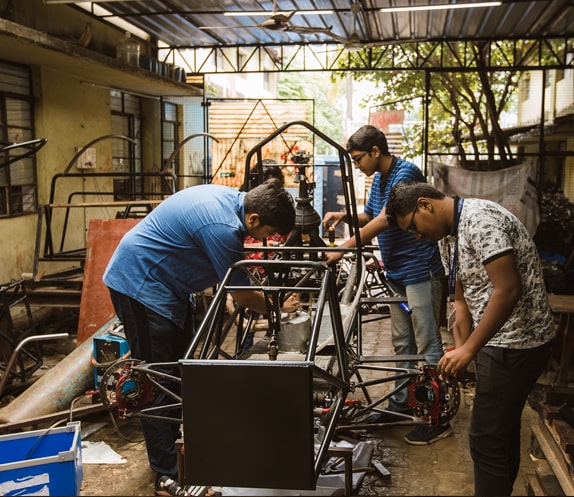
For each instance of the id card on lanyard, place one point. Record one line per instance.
(454, 260)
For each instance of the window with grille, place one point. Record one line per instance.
(18, 193)
(169, 133)
(126, 156)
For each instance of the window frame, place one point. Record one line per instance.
(17, 198)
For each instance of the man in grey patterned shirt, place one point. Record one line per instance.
(502, 319)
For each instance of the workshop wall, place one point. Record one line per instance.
(69, 112)
(68, 24)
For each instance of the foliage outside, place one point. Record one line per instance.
(465, 106)
(328, 114)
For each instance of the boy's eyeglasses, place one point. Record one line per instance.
(412, 227)
(358, 158)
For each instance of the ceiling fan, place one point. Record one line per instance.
(354, 41)
(277, 21)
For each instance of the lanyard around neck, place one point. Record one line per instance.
(452, 273)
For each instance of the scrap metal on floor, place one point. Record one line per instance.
(386, 464)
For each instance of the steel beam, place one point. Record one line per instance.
(509, 54)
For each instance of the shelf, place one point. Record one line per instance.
(24, 45)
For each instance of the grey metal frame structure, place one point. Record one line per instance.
(544, 53)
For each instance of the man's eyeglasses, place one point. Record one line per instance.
(412, 227)
(358, 158)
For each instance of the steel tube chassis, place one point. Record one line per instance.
(335, 298)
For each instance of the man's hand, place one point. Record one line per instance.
(332, 257)
(292, 304)
(333, 219)
(454, 362)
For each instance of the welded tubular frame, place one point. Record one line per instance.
(285, 276)
(210, 321)
(344, 162)
(213, 331)
(207, 342)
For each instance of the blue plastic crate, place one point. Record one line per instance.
(42, 462)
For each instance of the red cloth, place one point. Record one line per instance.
(272, 240)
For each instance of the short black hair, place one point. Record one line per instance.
(273, 204)
(404, 197)
(367, 137)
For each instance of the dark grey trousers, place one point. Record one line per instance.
(504, 379)
(153, 339)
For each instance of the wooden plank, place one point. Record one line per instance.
(561, 303)
(554, 457)
(549, 482)
(96, 307)
(534, 487)
(107, 204)
(564, 434)
(547, 478)
(550, 412)
(558, 395)
(546, 485)
(543, 482)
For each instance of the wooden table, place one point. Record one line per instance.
(564, 305)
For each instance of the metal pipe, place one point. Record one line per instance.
(172, 156)
(56, 389)
(25, 341)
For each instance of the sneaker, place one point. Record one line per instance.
(426, 435)
(166, 485)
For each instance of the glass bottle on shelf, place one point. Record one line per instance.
(128, 50)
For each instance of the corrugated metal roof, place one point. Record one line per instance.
(204, 23)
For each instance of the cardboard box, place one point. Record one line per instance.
(42, 462)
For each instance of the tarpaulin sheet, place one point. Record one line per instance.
(513, 188)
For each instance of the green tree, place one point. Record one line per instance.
(464, 106)
(328, 113)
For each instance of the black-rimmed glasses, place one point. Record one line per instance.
(412, 227)
(358, 158)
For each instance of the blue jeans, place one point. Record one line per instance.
(417, 333)
(154, 339)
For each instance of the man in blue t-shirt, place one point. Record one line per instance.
(183, 246)
(413, 267)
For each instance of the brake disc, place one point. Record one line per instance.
(433, 398)
(124, 389)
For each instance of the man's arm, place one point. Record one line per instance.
(507, 290)
(334, 218)
(374, 226)
(371, 227)
(462, 325)
(254, 300)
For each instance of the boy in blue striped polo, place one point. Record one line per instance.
(412, 266)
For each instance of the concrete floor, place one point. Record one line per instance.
(444, 468)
